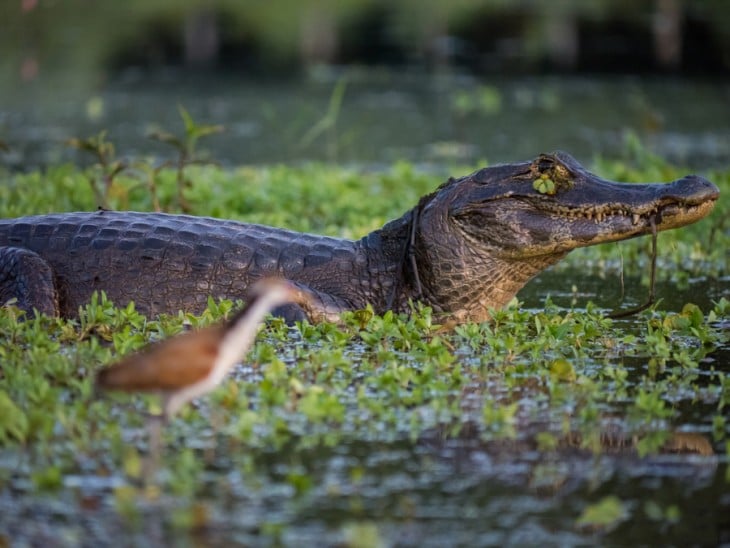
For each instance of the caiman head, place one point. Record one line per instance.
(482, 237)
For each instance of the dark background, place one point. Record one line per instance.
(100, 39)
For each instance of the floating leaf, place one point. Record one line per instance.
(132, 462)
(48, 479)
(13, 421)
(604, 514)
(562, 370)
(362, 534)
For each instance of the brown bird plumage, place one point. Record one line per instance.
(189, 365)
(167, 365)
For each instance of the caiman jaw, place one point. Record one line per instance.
(666, 215)
(594, 211)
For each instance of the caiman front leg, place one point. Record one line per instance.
(319, 307)
(26, 277)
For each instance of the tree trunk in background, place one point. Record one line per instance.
(318, 37)
(561, 39)
(201, 38)
(667, 27)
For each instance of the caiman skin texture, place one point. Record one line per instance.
(464, 249)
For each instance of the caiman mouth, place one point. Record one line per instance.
(669, 214)
(541, 224)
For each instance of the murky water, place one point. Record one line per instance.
(437, 492)
(383, 118)
(608, 291)
(444, 488)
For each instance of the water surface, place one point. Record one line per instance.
(383, 117)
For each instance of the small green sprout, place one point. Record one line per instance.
(544, 185)
(102, 175)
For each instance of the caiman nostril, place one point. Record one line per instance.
(692, 189)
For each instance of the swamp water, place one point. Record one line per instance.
(422, 473)
(377, 118)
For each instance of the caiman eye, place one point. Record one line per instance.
(545, 164)
(550, 175)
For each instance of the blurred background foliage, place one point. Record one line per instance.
(100, 38)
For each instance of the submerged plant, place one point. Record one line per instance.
(186, 147)
(102, 174)
(328, 123)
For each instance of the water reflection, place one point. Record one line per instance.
(604, 288)
(609, 439)
(445, 491)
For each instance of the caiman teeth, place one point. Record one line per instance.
(606, 213)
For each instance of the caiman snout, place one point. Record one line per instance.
(684, 201)
(691, 190)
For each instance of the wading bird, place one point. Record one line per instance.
(187, 366)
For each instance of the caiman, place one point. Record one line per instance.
(464, 249)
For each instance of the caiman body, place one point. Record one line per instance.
(464, 249)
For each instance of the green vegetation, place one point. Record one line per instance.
(351, 432)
